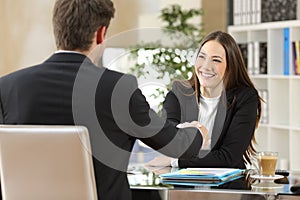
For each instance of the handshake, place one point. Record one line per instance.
(163, 161)
(202, 129)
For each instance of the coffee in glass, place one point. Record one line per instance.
(267, 161)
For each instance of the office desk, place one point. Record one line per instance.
(145, 185)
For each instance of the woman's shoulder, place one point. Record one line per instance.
(183, 87)
(242, 92)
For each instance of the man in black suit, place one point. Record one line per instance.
(68, 88)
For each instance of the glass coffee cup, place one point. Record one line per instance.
(267, 161)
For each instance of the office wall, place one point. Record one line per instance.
(26, 31)
(26, 34)
(134, 15)
(215, 15)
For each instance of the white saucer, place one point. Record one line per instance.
(266, 187)
(269, 178)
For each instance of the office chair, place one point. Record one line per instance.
(46, 162)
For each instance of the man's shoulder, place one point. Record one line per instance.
(112, 74)
(19, 74)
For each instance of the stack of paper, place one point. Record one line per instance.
(201, 176)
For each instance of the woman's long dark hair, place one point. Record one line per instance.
(235, 75)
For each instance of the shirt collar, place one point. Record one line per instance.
(68, 51)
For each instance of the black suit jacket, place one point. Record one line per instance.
(69, 89)
(233, 127)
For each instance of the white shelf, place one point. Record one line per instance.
(280, 77)
(294, 77)
(262, 125)
(295, 129)
(282, 127)
(264, 26)
(259, 76)
(282, 131)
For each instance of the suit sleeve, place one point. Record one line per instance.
(239, 130)
(158, 132)
(172, 108)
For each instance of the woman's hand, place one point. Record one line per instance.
(160, 161)
(202, 129)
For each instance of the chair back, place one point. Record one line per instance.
(46, 162)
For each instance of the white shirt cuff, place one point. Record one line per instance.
(174, 162)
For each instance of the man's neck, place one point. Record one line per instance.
(94, 53)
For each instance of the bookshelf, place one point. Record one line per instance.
(281, 129)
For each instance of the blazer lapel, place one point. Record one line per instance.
(191, 109)
(219, 120)
(186, 98)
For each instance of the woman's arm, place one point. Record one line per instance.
(236, 135)
(157, 132)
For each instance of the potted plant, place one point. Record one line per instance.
(173, 60)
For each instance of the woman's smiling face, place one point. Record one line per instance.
(210, 68)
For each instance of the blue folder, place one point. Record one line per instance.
(201, 176)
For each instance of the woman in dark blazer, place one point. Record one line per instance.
(222, 100)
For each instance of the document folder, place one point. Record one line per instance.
(201, 176)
